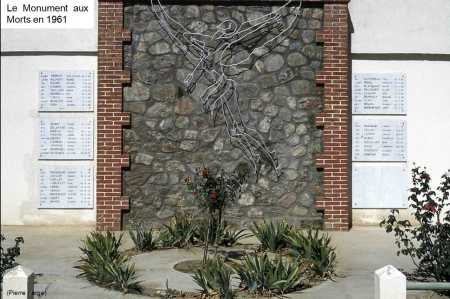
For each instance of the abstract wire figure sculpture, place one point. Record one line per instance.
(211, 56)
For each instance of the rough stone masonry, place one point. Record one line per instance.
(170, 136)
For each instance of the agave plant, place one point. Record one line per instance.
(180, 232)
(103, 264)
(271, 235)
(231, 237)
(144, 240)
(315, 249)
(214, 278)
(216, 231)
(263, 275)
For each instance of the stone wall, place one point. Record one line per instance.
(170, 137)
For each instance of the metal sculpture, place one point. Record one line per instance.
(211, 56)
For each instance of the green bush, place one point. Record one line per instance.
(272, 236)
(266, 276)
(144, 240)
(231, 237)
(314, 249)
(180, 232)
(8, 257)
(214, 278)
(222, 235)
(103, 264)
(427, 243)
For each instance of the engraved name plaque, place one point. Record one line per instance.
(66, 187)
(379, 93)
(66, 91)
(379, 186)
(66, 138)
(379, 139)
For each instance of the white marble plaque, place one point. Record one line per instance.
(379, 93)
(379, 186)
(379, 139)
(66, 187)
(66, 91)
(66, 138)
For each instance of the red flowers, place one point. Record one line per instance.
(429, 207)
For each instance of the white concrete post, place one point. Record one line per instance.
(390, 283)
(18, 283)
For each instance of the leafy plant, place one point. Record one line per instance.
(8, 257)
(213, 191)
(272, 236)
(428, 243)
(222, 235)
(214, 278)
(263, 275)
(103, 264)
(231, 237)
(315, 250)
(180, 232)
(213, 233)
(144, 240)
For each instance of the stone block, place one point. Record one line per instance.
(390, 283)
(18, 283)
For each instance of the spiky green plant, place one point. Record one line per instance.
(271, 235)
(313, 248)
(214, 278)
(216, 231)
(144, 240)
(261, 274)
(231, 237)
(180, 232)
(102, 263)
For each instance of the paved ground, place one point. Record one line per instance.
(53, 251)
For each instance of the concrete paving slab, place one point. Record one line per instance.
(53, 251)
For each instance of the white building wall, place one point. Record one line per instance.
(25, 52)
(417, 35)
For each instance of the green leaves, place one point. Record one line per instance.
(180, 232)
(214, 278)
(428, 243)
(144, 240)
(260, 273)
(103, 264)
(271, 235)
(314, 249)
(8, 258)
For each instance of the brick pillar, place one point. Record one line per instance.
(110, 117)
(335, 118)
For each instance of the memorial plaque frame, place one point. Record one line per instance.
(379, 93)
(367, 179)
(66, 90)
(73, 138)
(382, 139)
(66, 187)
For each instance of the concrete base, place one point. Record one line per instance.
(53, 251)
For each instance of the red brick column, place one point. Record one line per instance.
(335, 118)
(110, 117)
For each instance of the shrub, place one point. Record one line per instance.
(260, 274)
(315, 250)
(8, 257)
(428, 243)
(214, 278)
(223, 235)
(272, 236)
(144, 240)
(231, 237)
(103, 264)
(180, 232)
(212, 192)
